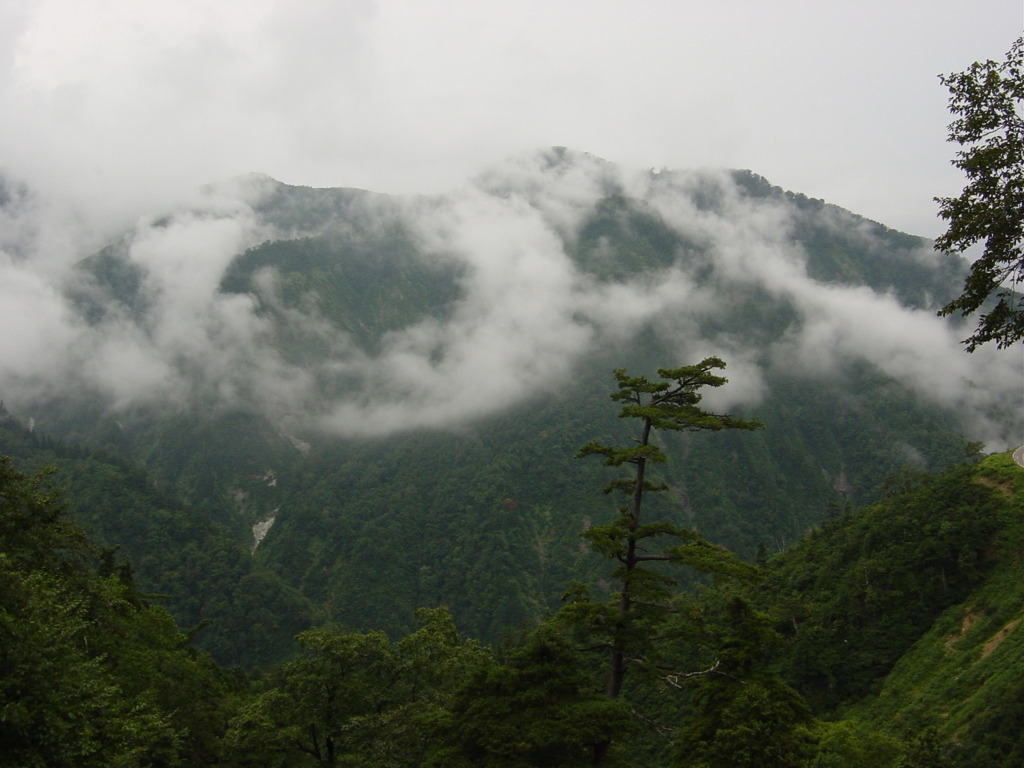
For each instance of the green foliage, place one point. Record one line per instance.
(539, 709)
(850, 744)
(641, 604)
(924, 587)
(622, 239)
(90, 673)
(371, 528)
(986, 99)
(205, 575)
(364, 288)
(752, 723)
(485, 520)
(357, 699)
(742, 713)
(481, 521)
(959, 684)
(854, 596)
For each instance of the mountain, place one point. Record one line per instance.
(888, 637)
(377, 400)
(199, 566)
(901, 621)
(896, 624)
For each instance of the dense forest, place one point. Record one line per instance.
(375, 405)
(884, 638)
(333, 478)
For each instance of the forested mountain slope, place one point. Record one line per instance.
(391, 390)
(902, 619)
(198, 567)
(92, 672)
(898, 624)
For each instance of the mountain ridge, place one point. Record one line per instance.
(443, 357)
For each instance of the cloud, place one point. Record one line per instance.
(912, 346)
(525, 315)
(36, 332)
(752, 243)
(122, 106)
(516, 327)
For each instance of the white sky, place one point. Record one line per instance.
(124, 104)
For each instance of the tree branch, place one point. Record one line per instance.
(674, 678)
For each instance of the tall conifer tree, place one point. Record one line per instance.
(642, 601)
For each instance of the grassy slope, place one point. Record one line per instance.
(963, 677)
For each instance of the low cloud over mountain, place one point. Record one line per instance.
(486, 295)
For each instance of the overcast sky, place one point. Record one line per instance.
(123, 104)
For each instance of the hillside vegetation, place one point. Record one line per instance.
(327, 440)
(888, 637)
(391, 390)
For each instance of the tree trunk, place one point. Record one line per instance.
(618, 665)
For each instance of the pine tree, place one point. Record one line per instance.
(630, 623)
